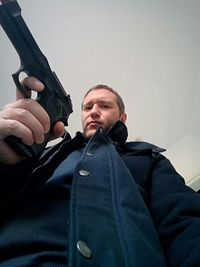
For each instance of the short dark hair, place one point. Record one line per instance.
(120, 101)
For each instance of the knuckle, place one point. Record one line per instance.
(21, 114)
(7, 112)
(24, 102)
(13, 125)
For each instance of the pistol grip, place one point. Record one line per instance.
(24, 150)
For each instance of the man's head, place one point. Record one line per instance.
(101, 107)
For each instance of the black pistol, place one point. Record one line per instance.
(53, 98)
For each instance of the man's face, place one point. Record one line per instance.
(100, 109)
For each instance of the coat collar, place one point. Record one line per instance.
(118, 134)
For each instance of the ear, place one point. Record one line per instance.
(123, 117)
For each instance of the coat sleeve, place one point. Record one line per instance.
(13, 179)
(175, 209)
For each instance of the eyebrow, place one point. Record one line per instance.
(100, 101)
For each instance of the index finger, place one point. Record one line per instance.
(32, 84)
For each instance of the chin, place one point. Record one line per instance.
(90, 133)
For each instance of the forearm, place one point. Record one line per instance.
(13, 179)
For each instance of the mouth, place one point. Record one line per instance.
(94, 124)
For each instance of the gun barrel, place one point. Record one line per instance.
(20, 36)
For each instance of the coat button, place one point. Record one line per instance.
(89, 154)
(84, 249)
(84, 173)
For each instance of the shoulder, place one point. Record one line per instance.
(141, 146)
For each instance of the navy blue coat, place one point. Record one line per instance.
(126, 206)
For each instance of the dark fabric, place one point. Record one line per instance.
(132, 209)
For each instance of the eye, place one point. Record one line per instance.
(105, 106)
(87, 107)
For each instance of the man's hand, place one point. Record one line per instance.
(26, 119)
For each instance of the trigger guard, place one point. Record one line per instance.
(19, 86)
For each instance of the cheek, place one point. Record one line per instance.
(83, 118)
(112, 117)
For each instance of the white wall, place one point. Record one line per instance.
(147, 49)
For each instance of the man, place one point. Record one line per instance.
(95, 199)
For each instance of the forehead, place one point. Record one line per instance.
(100, 95)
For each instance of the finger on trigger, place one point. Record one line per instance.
(33, 83)
(30, 83)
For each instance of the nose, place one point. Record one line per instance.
(95, 112)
